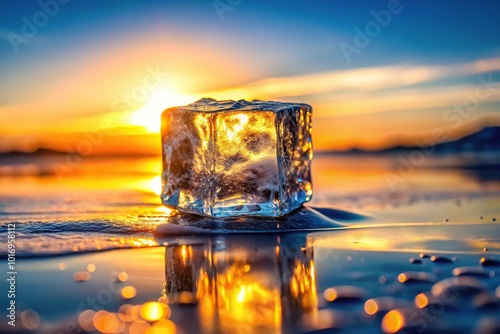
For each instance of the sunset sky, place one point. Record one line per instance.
(103, 71)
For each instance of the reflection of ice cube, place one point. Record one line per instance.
(230, 158)
(265, 283)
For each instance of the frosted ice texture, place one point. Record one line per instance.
(233, 158)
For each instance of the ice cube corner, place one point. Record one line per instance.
(235, 158)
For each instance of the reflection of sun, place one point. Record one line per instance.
(160, 99)
(155, 184)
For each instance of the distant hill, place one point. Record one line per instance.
(485, 140)
(39, 151)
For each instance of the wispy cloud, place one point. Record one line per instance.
(360, 80)
(405, 100)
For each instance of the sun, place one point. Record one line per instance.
(148, 116)
(155, 184)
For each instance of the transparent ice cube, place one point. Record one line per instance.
(233, 158)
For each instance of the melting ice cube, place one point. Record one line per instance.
(233, 158)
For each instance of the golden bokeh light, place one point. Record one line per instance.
(421, 300)
(122, 277)
(81, 276)
(371, 307)
(152, 311)
(125, 313)
(128, 292)
(163, 326)
(393, 321)
(330, 294)
(106, 322)
(150, 317)
(91, 268)
(139, 327)
(134, 313)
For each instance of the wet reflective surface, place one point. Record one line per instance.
(267, 283)
(393, 264)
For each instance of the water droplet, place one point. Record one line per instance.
(441, 259)
(427, 300)
(424, 256)
(489, 262)
(415, 261)
(486, 300)
(345, 293)
(417, 277)
(382, 305)
(393, 321)
(408, 320)
(422, 300)
(470, 271)
(460, 287)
